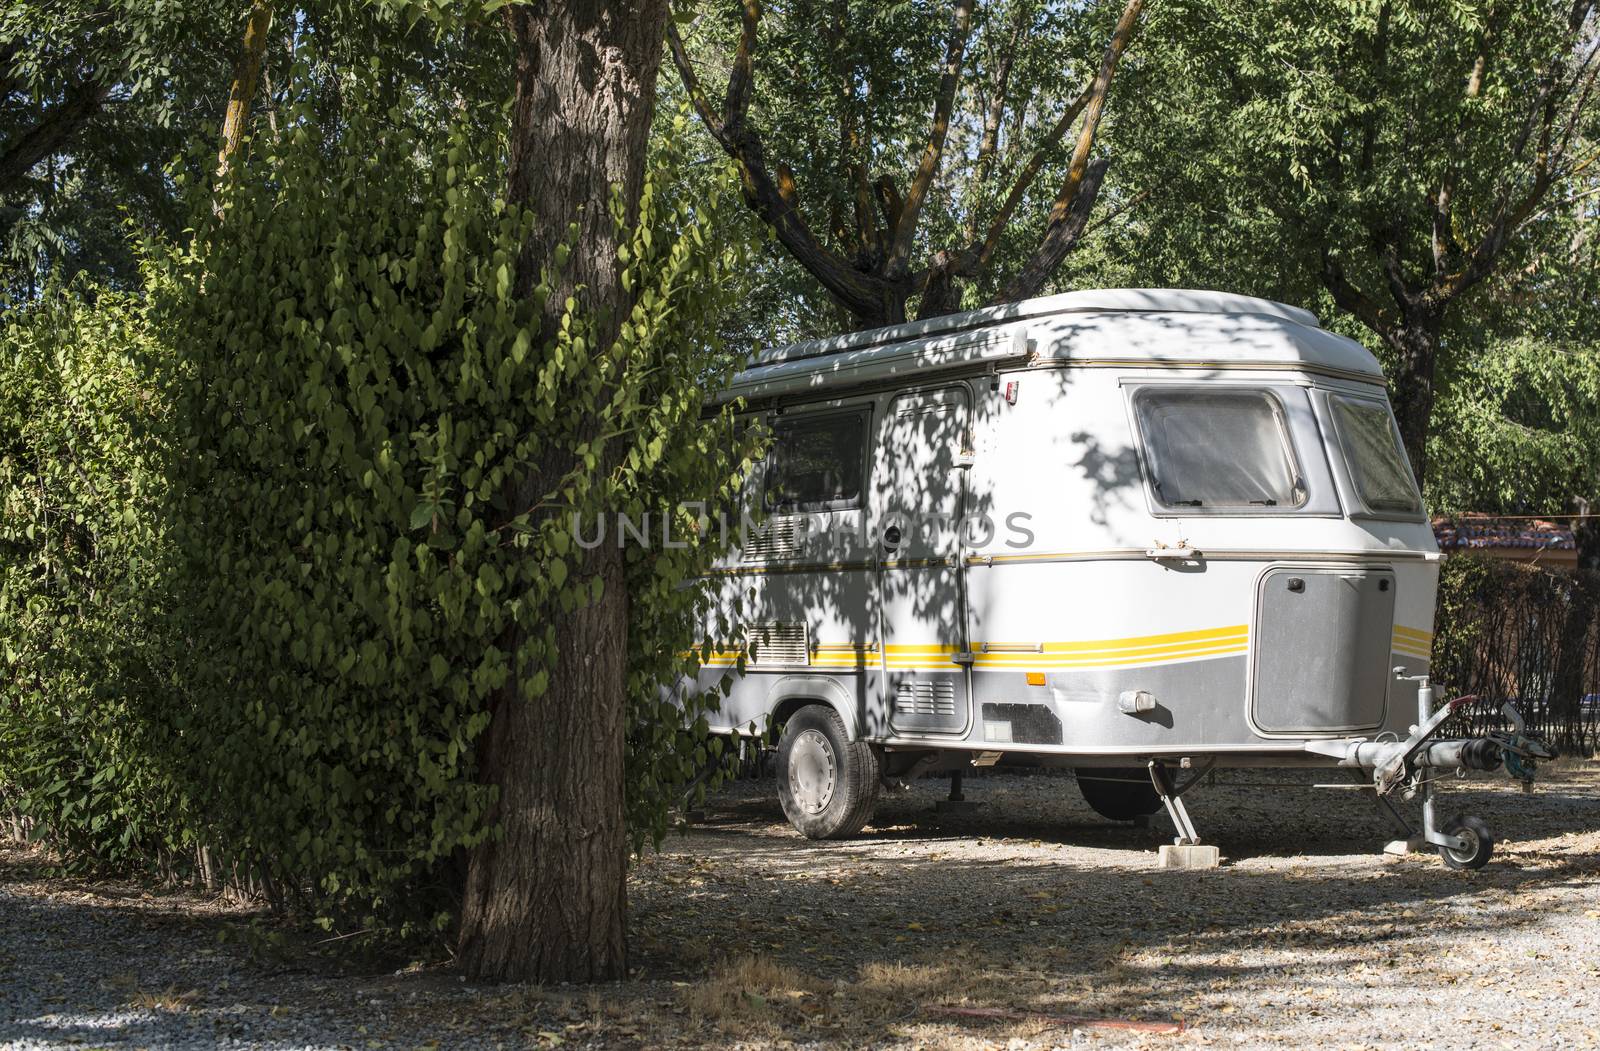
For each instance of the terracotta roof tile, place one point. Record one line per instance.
(1460, 532)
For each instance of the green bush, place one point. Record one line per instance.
(311, 430)
(82, 431)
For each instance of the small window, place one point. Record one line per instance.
(817, 463)
(1377, 463)
(1222, 449)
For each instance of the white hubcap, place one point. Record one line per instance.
(811, 771)
(1469, 848)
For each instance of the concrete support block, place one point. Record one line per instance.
(1190, 856)
(1402, 847)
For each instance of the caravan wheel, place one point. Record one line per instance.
(1119, 794)
(828, 784)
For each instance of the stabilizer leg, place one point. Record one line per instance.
(1186, 852)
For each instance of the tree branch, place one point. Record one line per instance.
(1097, 104)
(1386, 247)
(1059, 238)
(691, 84)
(46, 138)
(853, 152)
(864, 295)
(1550, 167)
(741, 80)
(1444, 241)
(993, 114)
(949, 80)
(1070, 211)
(246, 75)
(1352, 299)
(1025, 177)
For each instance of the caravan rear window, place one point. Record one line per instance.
(1372, 449)
(817, 463)
(1218, 449)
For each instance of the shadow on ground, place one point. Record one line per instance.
(1029, 901)
(743, 932)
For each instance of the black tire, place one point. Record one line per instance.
(1480, 843)
(1119, 793)
(827, 784)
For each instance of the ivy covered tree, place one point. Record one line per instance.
(395, 397)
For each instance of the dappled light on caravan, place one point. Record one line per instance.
(1136, 533)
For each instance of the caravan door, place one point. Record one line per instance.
(918, 499)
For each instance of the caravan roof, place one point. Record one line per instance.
(1164, 327)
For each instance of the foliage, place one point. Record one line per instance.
(1523, 429)
(363, 389)
(95, 99)
(81, 440)
(342, 389)
(1286, 130)
(98, 99)
(1395, 157)
(891, 146)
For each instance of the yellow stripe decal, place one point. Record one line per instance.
(1086, 653)
(1043, 660)
(1412, 642)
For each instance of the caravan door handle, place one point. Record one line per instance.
(891, 537)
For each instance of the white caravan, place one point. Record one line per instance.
(1132, 532)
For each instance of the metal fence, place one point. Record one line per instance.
(1510, 631)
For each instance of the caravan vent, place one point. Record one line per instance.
(778, 644)
(774, 538)
(923, 697)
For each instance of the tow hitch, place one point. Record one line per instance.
(1521, 751)
(1410, 767)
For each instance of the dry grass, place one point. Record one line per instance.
(757, 997)
(171, 999)
(754, 994)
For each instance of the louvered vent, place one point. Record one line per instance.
(925, 697)
(778, 644)
(775, 541)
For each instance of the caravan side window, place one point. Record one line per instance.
(1216, 449)
(1372, 449)
(817, 463)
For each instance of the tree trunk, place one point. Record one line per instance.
(546, 899)
(1586, 533)
(1416, 346)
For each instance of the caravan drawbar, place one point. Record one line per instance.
(1137, 533)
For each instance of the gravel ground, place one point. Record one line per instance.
(1024, 903)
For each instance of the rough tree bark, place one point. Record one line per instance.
(546, 901)
(1416, 347)
(1586, 532)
